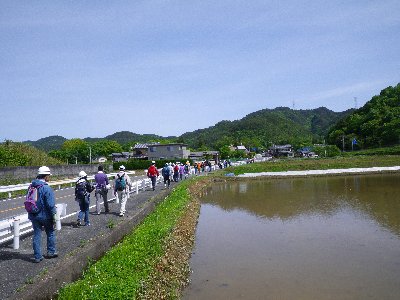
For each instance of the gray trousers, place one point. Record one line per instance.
(101, 196)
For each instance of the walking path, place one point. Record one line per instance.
(21, 278)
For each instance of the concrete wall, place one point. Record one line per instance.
(60, 170)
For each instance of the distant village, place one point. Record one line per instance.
(177, 151)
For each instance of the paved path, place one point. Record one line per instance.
(17, 267)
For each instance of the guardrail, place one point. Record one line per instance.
(24, 186)
(13, 228)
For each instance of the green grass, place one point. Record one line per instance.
(121, 272)
(317, 164)
(395, 150)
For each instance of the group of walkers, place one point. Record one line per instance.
(83, 188)
(44, 217)
(175, 172)
(44, 213)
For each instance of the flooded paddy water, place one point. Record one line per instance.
(299, 238)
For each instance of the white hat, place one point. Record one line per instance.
(153, 162)
(82, 174)
(122, 167)
(44, 171)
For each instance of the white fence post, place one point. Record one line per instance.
(60, 210)
(137, 187)
(16, 234)
(144, 184)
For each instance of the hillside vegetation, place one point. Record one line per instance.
(376, 124)
(265, 127)
(18, 154)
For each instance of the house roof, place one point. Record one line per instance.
(141, 146)
(169, 144)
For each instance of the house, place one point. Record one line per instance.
(202, 155)
(167, 151)
(306, 152)
(140, 151)
(282, 150)
(123, 156)
(239, 148)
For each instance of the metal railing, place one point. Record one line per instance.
(24, 186)
(13, 228)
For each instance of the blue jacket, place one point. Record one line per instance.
(45, 203)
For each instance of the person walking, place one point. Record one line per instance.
(181, 171)
(45, 217)
(176, 172)
(166, 173)
(171, 171)
(122, 186)
(101, 192)
(187, 169)
(153, 173)
(83, 188)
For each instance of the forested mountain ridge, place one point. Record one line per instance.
(257, 129)
(48, 143)
(266, 127)
(376, 124)
(55, 142)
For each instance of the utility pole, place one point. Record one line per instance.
(342, 143)
(355, 103)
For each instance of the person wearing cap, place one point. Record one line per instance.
(101, 190)
(83, 188)
(153, 173)
(123, 193)
(45, 218)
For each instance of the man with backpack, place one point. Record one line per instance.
(166, 173)
(101, 192)
(44, 215)
(122, 185)
(83, 188)
(153, 173)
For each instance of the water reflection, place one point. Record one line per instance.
(303, 238)
(375, 195)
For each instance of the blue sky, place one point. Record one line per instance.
(91, 68)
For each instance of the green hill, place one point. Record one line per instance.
(49, 143)
(376, 124)
(268, 126)
(124, 137)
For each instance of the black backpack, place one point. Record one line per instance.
(80, 190)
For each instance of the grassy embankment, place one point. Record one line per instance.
(317, 164)
(151, 262)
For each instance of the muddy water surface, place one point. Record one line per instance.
(304, 238)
